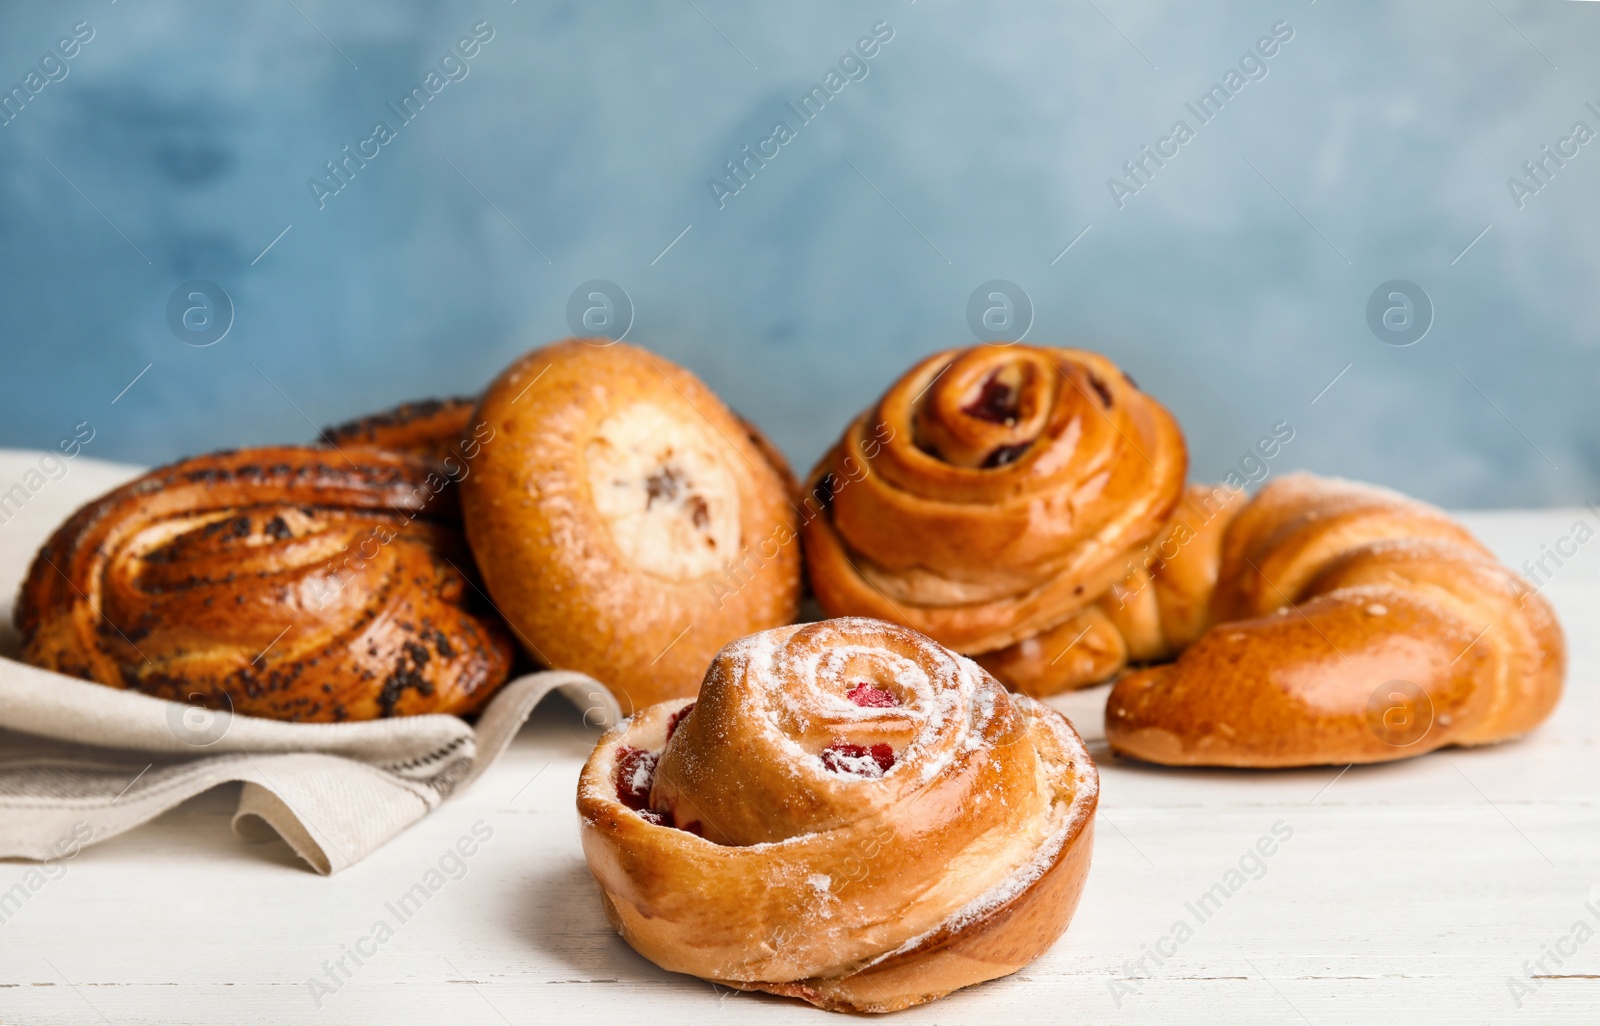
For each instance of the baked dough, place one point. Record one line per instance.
(625, 522)
(849, 814)
(991, 494)
(428, 427)
(1152, 614)
(1348, 624)
(294, 583)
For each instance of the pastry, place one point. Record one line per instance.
(850, 814)
(1151, 615)
(445, 430)
(1348, 624)
(992, 494)
(430, 427)
(295, 583)
(625, 522)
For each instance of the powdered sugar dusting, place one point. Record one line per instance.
(828, 870)
(643, 772)
(822, 679)
(1068, 820)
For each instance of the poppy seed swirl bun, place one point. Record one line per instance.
(289, 582)
(427, 427)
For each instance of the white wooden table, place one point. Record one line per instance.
(1409, 893)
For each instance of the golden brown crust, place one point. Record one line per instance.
(427, 427)
(1086, 649)
(1157, 610)
(1351, 625)
(293, 583)
(439, 427)
(992, 493)
(882, 822)
(626, 523)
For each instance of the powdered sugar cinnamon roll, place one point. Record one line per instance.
(850, 814)
(993, 493)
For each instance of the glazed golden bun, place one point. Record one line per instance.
(1349, 624)
(991, 494)
(850, 814)
(626, 523)
(294, 583)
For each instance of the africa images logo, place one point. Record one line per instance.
(853, 67)
(454, 66)
(1253, 67)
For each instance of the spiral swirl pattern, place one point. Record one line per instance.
(289, 582)
(849, 813)
(992, 493)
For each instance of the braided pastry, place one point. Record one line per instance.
(1351, 624)
(849, 814)
(294, 583)
(991, 494)
(626, 523)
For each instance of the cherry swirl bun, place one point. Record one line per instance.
(293, 583)
(849, 814)
(626, 522)
(992, 493)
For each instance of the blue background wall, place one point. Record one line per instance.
(1234, 285)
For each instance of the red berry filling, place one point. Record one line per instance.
(1005, 455)
(998, 402)
(861, 760)
(869, 697)
(676, 718)
(1101, 389)
(635, 774)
